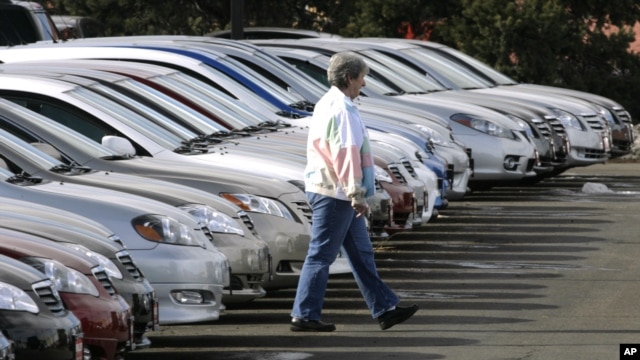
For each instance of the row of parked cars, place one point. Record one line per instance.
(155, 180)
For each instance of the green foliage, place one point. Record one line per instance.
(554, 42)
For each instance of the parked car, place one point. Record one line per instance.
(186, 271)
(469, 88)
(33, 317)
(25, 22)
(255, 194)
(84, 287)
(616, 115)
(290, 140)
(73, 27)
(257, 32)
(500, 157)
(99, 242)
(247, 254)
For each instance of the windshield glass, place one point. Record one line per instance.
(33, 155)
(79, 141)
(420, 80)
(495, 76)
(166, 102)
(458, 75)
(144, 111)
(209, 101)
(154, 132)
(247, 96)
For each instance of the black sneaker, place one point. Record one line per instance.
(396, 316)
(311, 325)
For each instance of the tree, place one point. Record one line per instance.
(552, 42)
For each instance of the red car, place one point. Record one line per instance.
(84, 287)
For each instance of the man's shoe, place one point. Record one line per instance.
(396, 316)
(311, 325)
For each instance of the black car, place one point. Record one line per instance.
(33, 317)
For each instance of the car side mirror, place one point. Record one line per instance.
(119, 145)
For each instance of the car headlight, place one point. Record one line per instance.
(433, 135)
(13, 298)
(485, 126)
(163, 229)
(64, 278)
(568, 119)
(382, 175)
(108, 265)
(215, 221)
(259, 204)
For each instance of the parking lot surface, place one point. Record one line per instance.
(546, 271)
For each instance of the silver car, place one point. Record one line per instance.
(85, 234)
(277, 206)
(247, 254)
(186, 271)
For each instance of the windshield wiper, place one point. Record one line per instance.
(74, 167)
(279, 124)
(288, 114)
(303, 105)
(61, 168)
(23, 178)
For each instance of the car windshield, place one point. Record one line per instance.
(319, 73)
(230, 109)
(275, 90)
(78, 140)
(458, 75)
(143, 110)
(247, 95)
(487, 71)
(159, 135)
(177, 108)
(33, 155)
(401, 74)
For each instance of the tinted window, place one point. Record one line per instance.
(16, 26)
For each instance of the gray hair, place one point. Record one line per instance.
(345, 65)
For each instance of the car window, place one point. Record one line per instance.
(75, 119)
(16, 27)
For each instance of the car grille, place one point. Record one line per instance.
(555, 124)
(378, 186)
(103, 278)
(304, 208)
(594, 122)
(45, 291)
(127, 261)
(407, 165)
(622, 115)
(595, 154)
(544, 127)
(396, 173)
(246, 220)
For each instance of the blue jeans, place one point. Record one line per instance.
(335, 225)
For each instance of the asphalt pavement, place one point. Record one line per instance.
(540, 272)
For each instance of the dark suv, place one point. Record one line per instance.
(25, 22)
